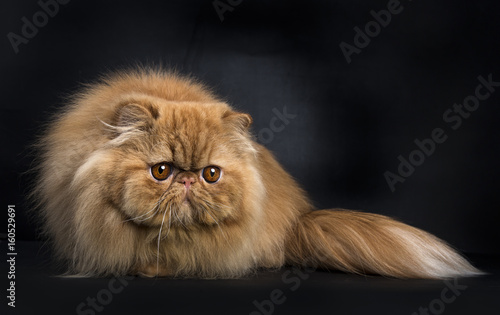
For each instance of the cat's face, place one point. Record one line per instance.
(178, 164)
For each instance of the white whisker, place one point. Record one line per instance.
(159, 239)
(211, 216)
(155, 207)
(169, 221)
(179, 219)
(215, 204)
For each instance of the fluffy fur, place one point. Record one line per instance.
(107, 215)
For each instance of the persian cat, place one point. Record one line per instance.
(147, 172)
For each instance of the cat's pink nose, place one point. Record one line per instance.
(187, 180)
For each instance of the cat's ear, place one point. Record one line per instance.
(241, 121)
(135, 116)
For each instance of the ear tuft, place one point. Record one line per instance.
(242, 121)
(135, 116)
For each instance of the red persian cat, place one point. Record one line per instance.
(149, 173)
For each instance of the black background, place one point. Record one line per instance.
(353, 119)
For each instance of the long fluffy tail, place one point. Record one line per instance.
(372, 244)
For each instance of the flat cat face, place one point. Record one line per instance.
(178, 162)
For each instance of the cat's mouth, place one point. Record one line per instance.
(189, 212)
(181, 211)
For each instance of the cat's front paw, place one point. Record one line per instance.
(152, 270)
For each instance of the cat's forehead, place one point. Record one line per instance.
(191, 134)
(185, 116)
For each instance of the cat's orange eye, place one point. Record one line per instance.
(161, 171)
(211, 174)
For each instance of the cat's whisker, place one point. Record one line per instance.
(152, 215)
(208, 212)
(211, 207)
(159, 239)
(169, 221)
(149, 217)
(179, 220)
(140, 216)
(155, 207)
(216, 222)
(216, 206)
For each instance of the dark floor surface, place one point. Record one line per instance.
(39, 291)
